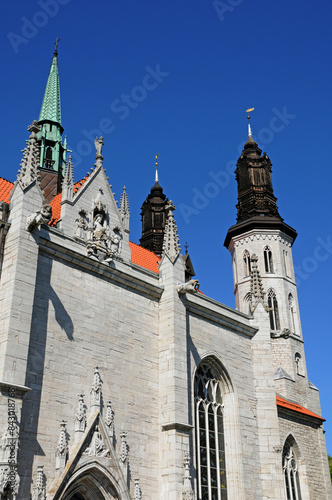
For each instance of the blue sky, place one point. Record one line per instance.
(210, 65)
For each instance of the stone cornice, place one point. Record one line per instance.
(220, 314)
(129, 275)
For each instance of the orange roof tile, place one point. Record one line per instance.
(298, 408)
(5, 189)
(143, 257)
(139, 255)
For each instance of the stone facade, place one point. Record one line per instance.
(99, 354)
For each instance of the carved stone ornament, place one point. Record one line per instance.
(102, 244)
(61, 454)
(285, 334)
(137, 490)
(187, 491)
(80, 419)
(81, 225)
(39, 491)
(109, 419)
(96, 391)
(171, 246)
(97, 446)
(191, 286)
(30, 162)
(99, 147)
(42, 216)
(124, 448)
(9, 482)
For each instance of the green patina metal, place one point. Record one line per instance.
(52, 148)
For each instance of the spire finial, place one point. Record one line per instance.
(56, 46)
(249, 127)
(156, 179)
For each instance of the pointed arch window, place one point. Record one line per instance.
(268, 261)
(210, 443)
(273, 310)
(291, 473)
(246, 263)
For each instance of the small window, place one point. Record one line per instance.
(299, 364)
(49, 153)
(246, 263)
(273, 310)
(291, 473)
(247, 301)
(268, 260)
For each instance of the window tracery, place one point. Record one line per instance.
(268, 261)
(273, 310)
(210, 444)
(291, 473)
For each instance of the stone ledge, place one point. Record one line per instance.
(178, 426)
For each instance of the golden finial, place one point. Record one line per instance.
(249, 127)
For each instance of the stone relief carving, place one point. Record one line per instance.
(42, 216)
(96, 391)
(80, 419)
(9, 482)
(97, 447)
(191, 286)
(187, 491)
(137, 490)
(81, 225)
(109, 419)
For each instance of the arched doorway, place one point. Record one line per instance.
(92, 482)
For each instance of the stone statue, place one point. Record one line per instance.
(42, 216)
(115, 241)
(81, 226)
(99, 146)
(99, 231)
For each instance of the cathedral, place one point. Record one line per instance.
(119, 378)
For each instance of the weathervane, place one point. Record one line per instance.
(156, 164)
(56, 45)
(249, 127)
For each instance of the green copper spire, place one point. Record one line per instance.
(51, 107)
(52, 148)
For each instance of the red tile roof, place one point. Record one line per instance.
(139, 255)
(5, 189)
(298, 408)
(143, 257)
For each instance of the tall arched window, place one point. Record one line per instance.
(292, 312)
(247, 301)
(246, 263)
(273, 310)
(268, 260)
(210, 444)
(291, 473)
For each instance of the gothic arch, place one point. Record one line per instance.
(92, 481)
(230, 413)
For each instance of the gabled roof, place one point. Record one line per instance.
(283, 403)
(139, 255)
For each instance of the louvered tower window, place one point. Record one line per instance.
(210, 445)
(273, 310)
(246, 263)
(268, 261)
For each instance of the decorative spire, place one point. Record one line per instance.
(39, 491)
(30, 162)
(68, 182)
(187, 491)
(96, 391)
(61, 454)
(124, 448)
(256, 287)
(171, 246)
(156, 178)
(51, 106)
(109, 419)
(124, 208)
(80, 419)
(137, 490)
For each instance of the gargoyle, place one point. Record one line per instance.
(191, 286)
(42, 216)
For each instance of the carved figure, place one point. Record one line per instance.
(99, 231)
(115, 241)
(99, 145)
(97, 447)
(42, 216)
(191, 286)
(81, 226)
